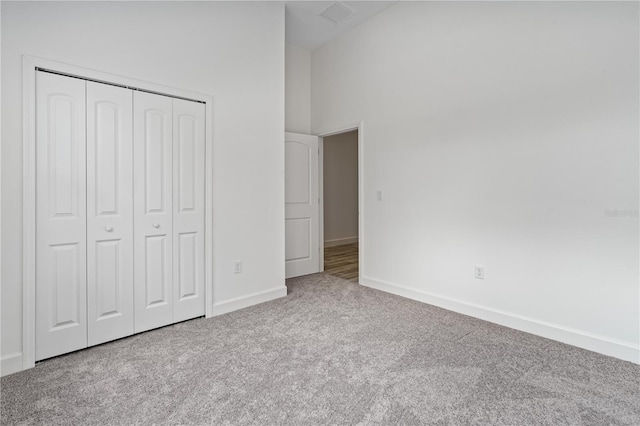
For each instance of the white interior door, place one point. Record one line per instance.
(61, 303)
(188, 209)
(109, 212)
(302, 227)
(153, 205)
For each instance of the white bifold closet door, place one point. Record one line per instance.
(120, 202)
(109, 212)
(153, 194)
(188, 209)
(61, 203)
(84, 228)
(168, 210)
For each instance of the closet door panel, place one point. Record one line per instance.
(188, 209)
(153, 236)
(61, 324)
(109, 212)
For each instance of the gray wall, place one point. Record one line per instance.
(340, 188)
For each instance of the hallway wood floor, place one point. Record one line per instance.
(342, 261)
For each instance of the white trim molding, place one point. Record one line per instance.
(29, 65)
(11, 363)
(618, 349)
(237, 303)
(340, 241)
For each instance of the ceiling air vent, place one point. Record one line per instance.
(337, 13)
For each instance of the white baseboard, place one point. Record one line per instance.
(340, 241)
(248, 300)
(11, 363)
(618, 349)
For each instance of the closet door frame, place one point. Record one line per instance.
(30, 65)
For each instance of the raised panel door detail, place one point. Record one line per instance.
(66, 297)
(187, 170)
(107, 140)
(297, 238)
(155, 265)
(297, 164)
(63, 156)
(61, 251)
(108, 279)
(154, 164)
(187, 264)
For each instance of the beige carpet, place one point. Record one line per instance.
(332, 352)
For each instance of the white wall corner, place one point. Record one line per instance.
(11, 363)
(626, 351)
(237, 303)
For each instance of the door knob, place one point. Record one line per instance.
(108, 229)
(156, 225)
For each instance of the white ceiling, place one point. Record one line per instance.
(306, 28)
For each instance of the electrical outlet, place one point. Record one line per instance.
(479, 272)
(379, 195)
(237, 267)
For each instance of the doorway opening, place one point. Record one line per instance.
(340, 232)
